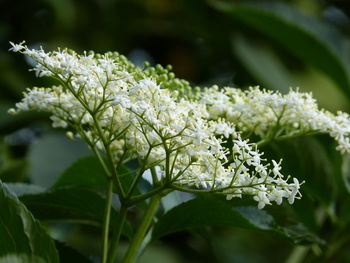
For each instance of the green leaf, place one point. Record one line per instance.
(69, 254)
(309, 159)
(307, 38)
(86, 171)
(346, 172)
(21, 258)
(14, 170)
(20, 232)
(312, 164)
(213, 211)
(71, 204)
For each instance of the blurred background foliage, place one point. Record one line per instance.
(274, 44)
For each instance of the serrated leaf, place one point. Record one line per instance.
(72, 204)
(20, 232)
(307, 38)
(213, 211)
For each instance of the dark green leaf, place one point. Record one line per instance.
(14, 170)
(69, 254)
(72, 204)
(346, 172)
(20, 232)
(88, 172)
(312, 164)
(309, 39)
(213, 211)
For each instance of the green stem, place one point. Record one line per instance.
(139, 198)
(100, 159)
(107, 217)
(117, 233)
(298, 254)
(110, 159)
(132, 253)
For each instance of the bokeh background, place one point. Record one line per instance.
(274, 44)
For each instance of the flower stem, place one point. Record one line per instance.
(132, 253)
(116, 235)
(107, 216)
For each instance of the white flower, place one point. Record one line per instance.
(17, 47)
(276, 168)
(262, 199)
(277, 195)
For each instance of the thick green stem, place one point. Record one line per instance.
(107, 216)
(132, 253)
(117, 233)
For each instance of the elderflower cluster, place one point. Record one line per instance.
(132, 113)
(272, 115)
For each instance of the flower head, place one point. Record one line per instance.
(192, 141)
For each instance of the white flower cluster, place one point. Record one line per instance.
(102, 99)
(272, 115)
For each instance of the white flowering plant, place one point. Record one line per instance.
(178, 138)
